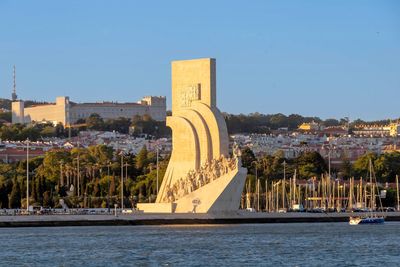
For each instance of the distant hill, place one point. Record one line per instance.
(264, 123)
(5, 103)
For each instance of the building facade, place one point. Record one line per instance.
(392, 129)
(310, 126)
(66, 112)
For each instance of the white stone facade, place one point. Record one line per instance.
(65, 112)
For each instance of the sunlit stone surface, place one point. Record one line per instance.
(201, 176)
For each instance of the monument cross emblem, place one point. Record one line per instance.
(189, 94)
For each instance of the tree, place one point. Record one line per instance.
(94, 122)
(311, 164)
(346, 169)
(52, 164)
(3, 192)
(121, 125)
(247, 157)
(387, 166)
(47, 199)
(15, 196)
(331, 122)
(112, 186)
(142, 159)
(6, 116)
(101, 154)
(361, 165)
(96, 189)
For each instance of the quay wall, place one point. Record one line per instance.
(177, 219)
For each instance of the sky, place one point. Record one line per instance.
(330, 59)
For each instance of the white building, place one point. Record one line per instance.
(66, 112)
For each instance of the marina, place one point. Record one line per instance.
(326, 194)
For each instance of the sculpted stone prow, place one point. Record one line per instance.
(201, 176)
(187, 155)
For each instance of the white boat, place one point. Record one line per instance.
(367, 220)
(371, 218)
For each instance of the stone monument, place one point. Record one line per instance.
(201, 176)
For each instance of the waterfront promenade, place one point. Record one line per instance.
(170, 219)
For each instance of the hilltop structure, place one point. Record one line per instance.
(14, 96)
(201, 176)
(66, 112)
(310, 126)
(392, 129)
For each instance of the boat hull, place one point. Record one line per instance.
(367, 220)
(378, 220)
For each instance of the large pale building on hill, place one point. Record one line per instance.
(66, 112)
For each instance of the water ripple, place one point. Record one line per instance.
(318, 244)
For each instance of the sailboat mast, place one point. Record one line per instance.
(338, 197)
(365, 196)
(266, 195)
(290, 193)
(370, 185)
(397, 186)
(351, 189)
(361, 192)
(277, 196)
(258, 194)
(283, 185)
(333, 194)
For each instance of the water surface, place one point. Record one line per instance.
(302, 244)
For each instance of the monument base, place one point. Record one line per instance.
(221, 195)
(156, 207)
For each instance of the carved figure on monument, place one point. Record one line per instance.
(205, 174)
(237, 153)
(170, 195)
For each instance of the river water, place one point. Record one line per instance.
(302, 244)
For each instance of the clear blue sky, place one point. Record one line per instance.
(319, 58)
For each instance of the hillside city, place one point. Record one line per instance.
(127, 131)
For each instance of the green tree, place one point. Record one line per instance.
(311, 164)
(387, 166)
(346, 169)
(247, 157)
(47, 199)
(95, 122)
(142, 158)
(6, 116)
(15, 196)
(361, 165)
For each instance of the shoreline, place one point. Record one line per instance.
(178, 219)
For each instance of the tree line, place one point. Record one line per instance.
(311, 164)
(264, 123)
(251, 123)
(82, 177)
(91, 177)
(138, 124)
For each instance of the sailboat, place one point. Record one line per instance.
(371, 218)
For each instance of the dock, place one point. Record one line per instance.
(179, 219)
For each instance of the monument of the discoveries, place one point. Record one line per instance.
(201, 176)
